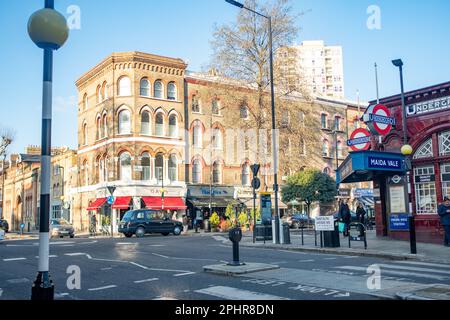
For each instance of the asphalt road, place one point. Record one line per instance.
(157, 267)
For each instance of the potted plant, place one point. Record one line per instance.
(215, 221)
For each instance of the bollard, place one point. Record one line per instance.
(303, 240)
(235, 236)
(412, 235)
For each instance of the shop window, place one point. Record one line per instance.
(426, 202)
(425, 150)
(444, 143)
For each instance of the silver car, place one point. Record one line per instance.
(60, 228)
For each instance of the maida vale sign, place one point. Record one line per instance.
(428, 106)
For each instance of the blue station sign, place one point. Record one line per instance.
(399, 222)
(384, 163)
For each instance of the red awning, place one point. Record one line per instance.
(122, 203)
(95, 205)
(170, 203)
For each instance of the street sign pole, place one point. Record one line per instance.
(256, 184)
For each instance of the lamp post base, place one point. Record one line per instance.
(43, 288)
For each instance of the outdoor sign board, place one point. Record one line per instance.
(324, 223)
(344, 193)
(428, 107)
(266, 208)
(424, 179)
(378, 119)
(398, 222)
(384, 163)
(359, 140)
(347, 169)
(360, 192)
(397, 199)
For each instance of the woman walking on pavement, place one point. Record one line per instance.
(361, 213)
(346, 216)
(444, 213)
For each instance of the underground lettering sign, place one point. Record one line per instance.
(379, 120)
(359, 140)
(384, 163)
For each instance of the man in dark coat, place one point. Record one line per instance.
(444, 213)
(361, 213)
(345, 215)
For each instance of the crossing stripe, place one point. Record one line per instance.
(146, 280)
(230, 293)
(428, 264)
(14, 259)
(392, 266)
(397, 273)
(103, 288)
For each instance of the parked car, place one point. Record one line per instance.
(141, 222)
(298, 220)
(61, 228)
(4, 225)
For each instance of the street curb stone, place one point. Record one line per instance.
(227, 270)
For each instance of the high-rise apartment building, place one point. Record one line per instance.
(318, 66)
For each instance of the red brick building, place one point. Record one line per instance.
(428, 126)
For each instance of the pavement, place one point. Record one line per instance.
(162, 268)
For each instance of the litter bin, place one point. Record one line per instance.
(331, 238)
(207, 225)
(286, 234)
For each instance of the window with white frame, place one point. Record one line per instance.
(145, 123)
(216, 172)
(425, 150)
(105, 126)
(85, 134)
(159, 167)
(99, 94)
(173, 126)
(99, 128)
(171, 91)
(158, 89)
(444, 143)
(124, 122)
(104, 91)
(337, 123)
(145, 164)
(173, 168)
(159, 124)
(445, 179)
(145, 88)
(195, 104)
(324, 121)
(339, 149)
(216, 138)
(301, 147)
(215, 107)
(125, 166)
(124, 88)
(426, 202)
(325, 148)
(85, 102)
(197, 135)
(246, 174)
(244, 112)
(196, 171)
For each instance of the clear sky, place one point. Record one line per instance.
(416, 31)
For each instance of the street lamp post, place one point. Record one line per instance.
(48, 29)
(274, 137)
(407, 151)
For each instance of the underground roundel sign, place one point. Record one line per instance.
(359, 140)
(378, 119)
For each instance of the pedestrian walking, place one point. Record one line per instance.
(444, 213)
(185, 223)
(93, 225)
(361, 214)
(345, 216)
(175, 216)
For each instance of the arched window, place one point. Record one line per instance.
(197, 136)
(158, 89)
(124, 87)
(197, 172)
(173, 176)
(85, 134)
(324, 121)
(99, 94)
(244, 112)
(217, 139)
(98, 133)
(216, 172)
(106, 171)
(171, 91)
(215, 107)
(159, 167)
(195, 104)
(125, 166)
(173, 126)
(246, 175)
(145, 163)
(85, 173)
(337, 123)
(325, 148)
(145, 122)
(124, 122)
(99, 170)
(85, 102)
(104, 91)
(425, 150)
(327, 171)
(105, 126)
(145, 87)
(159, 124)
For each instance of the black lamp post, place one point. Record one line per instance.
(48, 30)
(407, 151)
(274, 138)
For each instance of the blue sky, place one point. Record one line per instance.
(417, 31)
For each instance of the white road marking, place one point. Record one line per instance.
(329, 258)
(62, 243)
(160, 255)
(146, 280)
(125, 243)
(183, 274)
(425, 264)
(1, 292)
(230, 293)
(103, 288)
(392, 266)
(164, 298)
(397, 273)
(50, 256)
(309, 260)
(17, 281)
(104, 269)
(14, 259)
(75, 254)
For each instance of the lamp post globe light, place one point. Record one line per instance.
(275, 232)
(48, 29)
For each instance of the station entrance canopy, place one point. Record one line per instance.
(368, 165)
